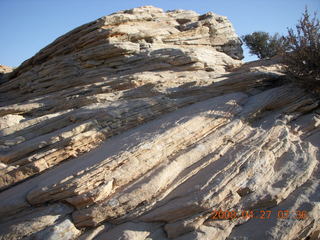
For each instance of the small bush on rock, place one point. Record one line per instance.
(301, 52)
(263, 44)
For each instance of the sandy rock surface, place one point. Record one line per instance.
(144, 124)
(5, 69)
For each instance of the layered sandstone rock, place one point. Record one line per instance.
(4, 72)
(5, 69)
(138, 125)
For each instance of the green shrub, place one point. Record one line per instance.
(263, 44)
(301, 52)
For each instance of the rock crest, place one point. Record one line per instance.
(140, 124)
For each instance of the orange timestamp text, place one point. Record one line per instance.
(258, 214)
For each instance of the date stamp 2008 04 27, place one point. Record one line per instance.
(258, 214)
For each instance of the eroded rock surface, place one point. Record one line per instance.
(4, 73)
(140, 124)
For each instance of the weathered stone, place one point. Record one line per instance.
(5, 69)
(10, 120)
(31, 221)
(64, 230)
(130, 231)
(91, 234)
(144, 122)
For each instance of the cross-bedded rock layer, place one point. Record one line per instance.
(138, 125)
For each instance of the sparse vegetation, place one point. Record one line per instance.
(301, 52)
(263, 44)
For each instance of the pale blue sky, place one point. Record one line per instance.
(29, 25)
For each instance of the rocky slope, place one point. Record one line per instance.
(141, 124)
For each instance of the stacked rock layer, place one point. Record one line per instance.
(144, 124)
